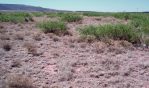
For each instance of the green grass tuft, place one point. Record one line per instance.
(116, 32)
(56, 27)
(71, 17)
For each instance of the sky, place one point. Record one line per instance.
(87, 5)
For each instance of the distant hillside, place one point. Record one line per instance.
(19, 7)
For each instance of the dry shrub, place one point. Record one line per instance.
(108, 41)
(50, 35)
(55, 38)
(31, 48)
(126, 44)
(19, 81)
(37, 37)
(99, 47)
(88, 39)
(116, 50)
(68, 33)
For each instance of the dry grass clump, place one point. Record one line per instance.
(19, 81)
(126, 44)
(88, 39)
(56, 38)
(37, 37)
(31, 48)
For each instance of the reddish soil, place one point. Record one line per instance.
(64, 62)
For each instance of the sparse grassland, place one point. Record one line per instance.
(57, 27)
(15, 17)
(136, 30)
(138, 22)
(66, 16)
(50, 53)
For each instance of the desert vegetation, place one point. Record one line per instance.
(116, 32)
(15, 17)
(74, 50)
(71, 17)
(56, 27)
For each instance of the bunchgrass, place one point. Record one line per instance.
(116, 32)
(57, 27)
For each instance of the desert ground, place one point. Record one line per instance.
(66, 61)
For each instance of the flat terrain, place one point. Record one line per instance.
(53, 61)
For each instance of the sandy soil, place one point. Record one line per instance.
(64, 62)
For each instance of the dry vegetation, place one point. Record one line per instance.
(19, 81)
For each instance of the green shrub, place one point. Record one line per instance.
(56, 27)
(71, 17)
(116, 32)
